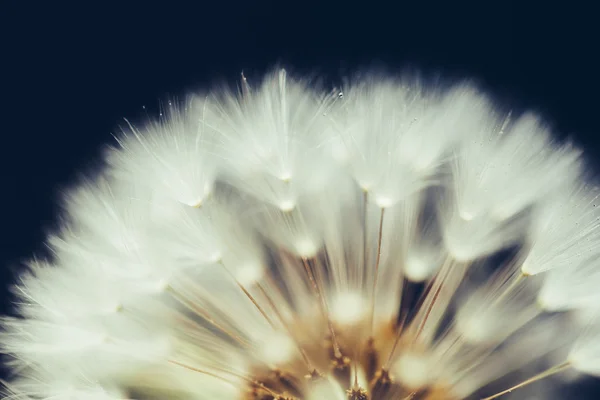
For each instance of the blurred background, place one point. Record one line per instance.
(70, 71)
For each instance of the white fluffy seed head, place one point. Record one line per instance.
(287, 242)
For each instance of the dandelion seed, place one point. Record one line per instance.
(393, 240)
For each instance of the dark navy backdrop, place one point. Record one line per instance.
(70, 70)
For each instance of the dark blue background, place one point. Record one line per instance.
(71, 70)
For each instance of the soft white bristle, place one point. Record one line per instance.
(285, 242)
(565, 231)
(585, 354)
(173, 157)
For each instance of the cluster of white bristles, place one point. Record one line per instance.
(238, 234)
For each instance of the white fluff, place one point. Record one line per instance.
(571, 287)
(173, 157)
(512, 165)
(585, 354)
(505, 168)
(565, 231)
(284, 232)
(397, 134)
(271, 139)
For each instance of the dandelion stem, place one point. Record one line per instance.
(205, 316)
(308, 267)
(549, 372)
(258, 307)
(432, 297)
(437, 299)
(401, 319)
(365, 233)
(189, 367)
(287, 328)
(395, 345)
(235, 384)
(377, 261)
(245, 291)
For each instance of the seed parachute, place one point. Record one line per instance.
(393, 239)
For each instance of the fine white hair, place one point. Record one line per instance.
(396, 219)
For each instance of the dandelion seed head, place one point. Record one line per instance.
(403, 240)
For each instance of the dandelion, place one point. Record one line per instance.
(392, 240)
